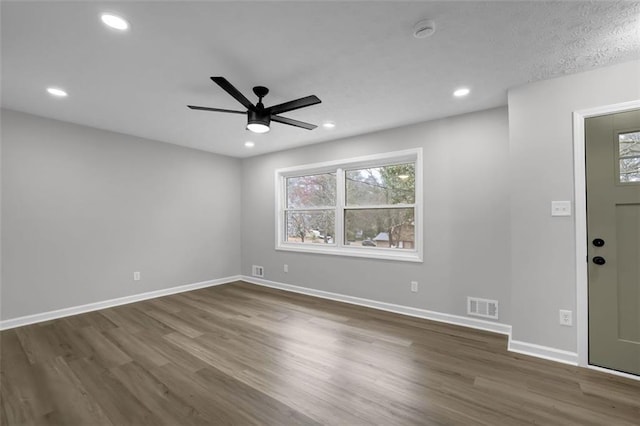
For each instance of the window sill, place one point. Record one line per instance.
(383, 254)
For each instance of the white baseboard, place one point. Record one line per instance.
(390, 307)
(74, 310)
(545, 352)
(525, 348)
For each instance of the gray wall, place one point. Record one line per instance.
(84, 208)
(541, 159)
(466, 230)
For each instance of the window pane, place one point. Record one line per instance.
(313, 227)
(381, 185)
(311, 191)
(629, 146)
(384, 228)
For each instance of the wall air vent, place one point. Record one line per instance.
(482, 307)
(257, 271)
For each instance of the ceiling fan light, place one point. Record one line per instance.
(258, 127)
(258, 123)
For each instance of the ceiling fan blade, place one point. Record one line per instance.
(292, 122)
(230, 89)
(216, 109)
(291, 105)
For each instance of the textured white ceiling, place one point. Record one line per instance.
(359, 57)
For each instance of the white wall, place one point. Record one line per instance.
(466, 231)
(83, 208)
(543, 269)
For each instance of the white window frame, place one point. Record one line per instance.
(338, 247)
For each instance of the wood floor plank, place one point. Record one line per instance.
(215, 410)
(24, 398)
(104, 351)
(116, 316)
(120, 405)
(134, 319)
(4, 419)
(135, 348)
(70, 341)
(258, 406)
(175, 354)
(300, 395)
(173, 321)
(163, 305)
(72, 403)
(156, 396)
(248, 355)
(36, 343)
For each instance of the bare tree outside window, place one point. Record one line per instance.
(629, 147)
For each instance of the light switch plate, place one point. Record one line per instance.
(561, 208)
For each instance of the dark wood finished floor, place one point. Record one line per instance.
(242, 354)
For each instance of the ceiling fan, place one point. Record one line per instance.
(259, 117)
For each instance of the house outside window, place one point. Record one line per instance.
(364, 207)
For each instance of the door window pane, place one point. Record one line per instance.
(629, 158)
(383, 228)
(376, 186)
(310, 227)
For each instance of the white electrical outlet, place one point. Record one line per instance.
(286, 267)
(414, 286)
(136, 276)
(566, 318)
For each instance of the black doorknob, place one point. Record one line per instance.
(599, 260)
(598, 242)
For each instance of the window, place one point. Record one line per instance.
(310, 208)
(365, 207)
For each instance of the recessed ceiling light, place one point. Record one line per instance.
(328, 124)
(463, 91)
(57, 92)
(249, 144)
(114, 21)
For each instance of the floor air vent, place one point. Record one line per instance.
(257, 271)
(482, 307)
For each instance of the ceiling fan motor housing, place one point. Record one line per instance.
(258, 117)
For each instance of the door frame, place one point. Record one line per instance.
(580, 194)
